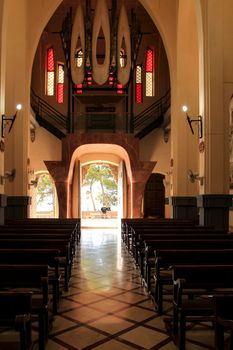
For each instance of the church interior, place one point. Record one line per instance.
(116, 154)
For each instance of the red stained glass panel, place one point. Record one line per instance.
(138, 93)
(149, 61)
(60, 93)
(50, 59)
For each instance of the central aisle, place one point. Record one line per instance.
(106, 307)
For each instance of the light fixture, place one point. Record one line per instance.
(9, 121)
(192, 177)
(9, 175)
(32, 134)
(166, 132)
(33, 183)
(191, 120)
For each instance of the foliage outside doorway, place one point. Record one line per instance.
(99, 190)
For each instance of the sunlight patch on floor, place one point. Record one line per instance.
(100, 223)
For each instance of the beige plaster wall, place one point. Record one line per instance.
(217, 29)
(184, 145)
(45, 147)
(93, 157)
(15, 90)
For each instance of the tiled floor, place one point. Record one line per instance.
(107, 308)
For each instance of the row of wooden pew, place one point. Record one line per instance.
(193, 263)
(36, 257)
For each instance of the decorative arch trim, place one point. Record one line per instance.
(77, 32)
(101, 71)
(124, 145)
(123, 73)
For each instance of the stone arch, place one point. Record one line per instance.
(126, 146)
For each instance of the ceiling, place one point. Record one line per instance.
(146, 24)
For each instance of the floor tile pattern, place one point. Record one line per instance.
(107, 308)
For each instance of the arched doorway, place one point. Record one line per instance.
(125, 146)
(154, 196)
(99, 194)
(43, 196)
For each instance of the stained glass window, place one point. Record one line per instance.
(149, 72)
(60, 83)
(138, 86)
(50, 72)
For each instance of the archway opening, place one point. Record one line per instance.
(99, 194)
(44, 197)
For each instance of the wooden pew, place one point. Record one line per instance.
(166, 258)
(223, 309)
(147, 259)
(47, 257)
(145, 230)
(181, 233)
(193, 284)
(62, 245)
(74, 224)
(129, 225)
(15, 313)
(30, 278)
(39, 232)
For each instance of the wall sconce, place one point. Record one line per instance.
(190, 120)
(166, 132)
(194, 177)
(33, 183)
(9, 175)
(9, 121)
(32, 134)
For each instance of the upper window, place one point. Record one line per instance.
(122, 58)
(149, 72)
(50, 72)
(138, 86)
(79, 58)
(60, 82)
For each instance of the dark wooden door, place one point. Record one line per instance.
(154, 196)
